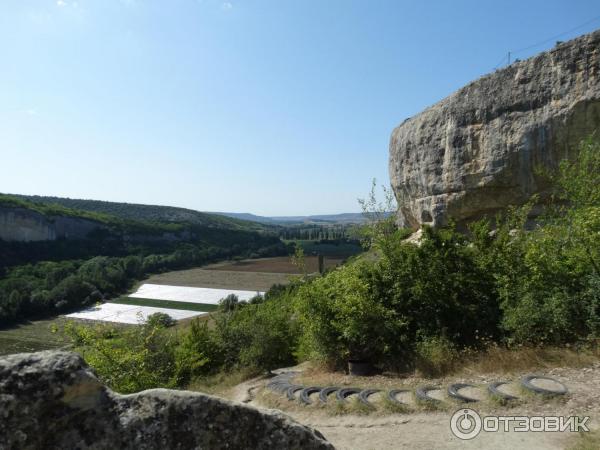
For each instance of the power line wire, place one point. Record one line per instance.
(556, 36)
(513, 52)
(500, 63)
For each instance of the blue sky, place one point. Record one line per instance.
(270, 107)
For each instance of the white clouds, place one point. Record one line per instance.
(226, 6)
(65, 3)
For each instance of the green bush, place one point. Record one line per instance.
(546, 278)
(341, 318)
(160, 320)
(129, 360)
(435, 356)
(378, 310)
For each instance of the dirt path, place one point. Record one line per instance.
(431, 430)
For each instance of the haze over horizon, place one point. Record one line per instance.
(270, 108)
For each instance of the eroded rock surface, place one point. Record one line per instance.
(478, 150)
(52, 400)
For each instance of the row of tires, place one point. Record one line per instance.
(283, 384)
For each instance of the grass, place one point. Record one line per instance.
(496, 359)
(395, 408)
(587, 441)
(186, 306)
(32, 336)
(223, 381)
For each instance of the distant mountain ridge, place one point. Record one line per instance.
(342, 218)
(173, 214)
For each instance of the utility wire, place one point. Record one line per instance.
(513, 52)
(500, 63)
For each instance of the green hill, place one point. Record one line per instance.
(146, 213)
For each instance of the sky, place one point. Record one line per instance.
(269, 107)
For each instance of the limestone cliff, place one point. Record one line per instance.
(21, 224)
(476, 152)
(52, 400)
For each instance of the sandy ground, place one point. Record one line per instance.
(431, 430)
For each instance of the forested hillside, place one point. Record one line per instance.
(148, 213)
(44, 277)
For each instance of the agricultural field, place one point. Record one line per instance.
(281, 264)
(183, 294)
(131, 314)
(198, 295)
(220, 279)
(179, 302)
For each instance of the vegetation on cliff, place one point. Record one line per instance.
(127, 212)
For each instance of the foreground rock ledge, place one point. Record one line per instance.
(53, 400)
(477, 151)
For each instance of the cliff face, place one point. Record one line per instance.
(20, 224)
(477, 151)
(53, 400)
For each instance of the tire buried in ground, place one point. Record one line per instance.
(306, 392)
(392, 396)
(495, 392)
(291, 391)
(422, 394)
(363, 396)
(453, 392)
(526, 382)
(325, 392)
(345, 392)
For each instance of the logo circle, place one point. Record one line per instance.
(465, 424)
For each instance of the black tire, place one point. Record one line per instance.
(323, 395)
(292, 390)
(494, 391)
(345, 392)
(453, 391)
(363, 396)
(306, 392)
(526, 383)
(422, 394)
(393, 393)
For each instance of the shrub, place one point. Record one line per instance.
(435, 356)
(128, 360)
(229, 303)
(546, 278)
(341, 318)
(160, 320)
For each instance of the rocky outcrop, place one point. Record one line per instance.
(52, 400)
(477, 151)
(25, 225)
